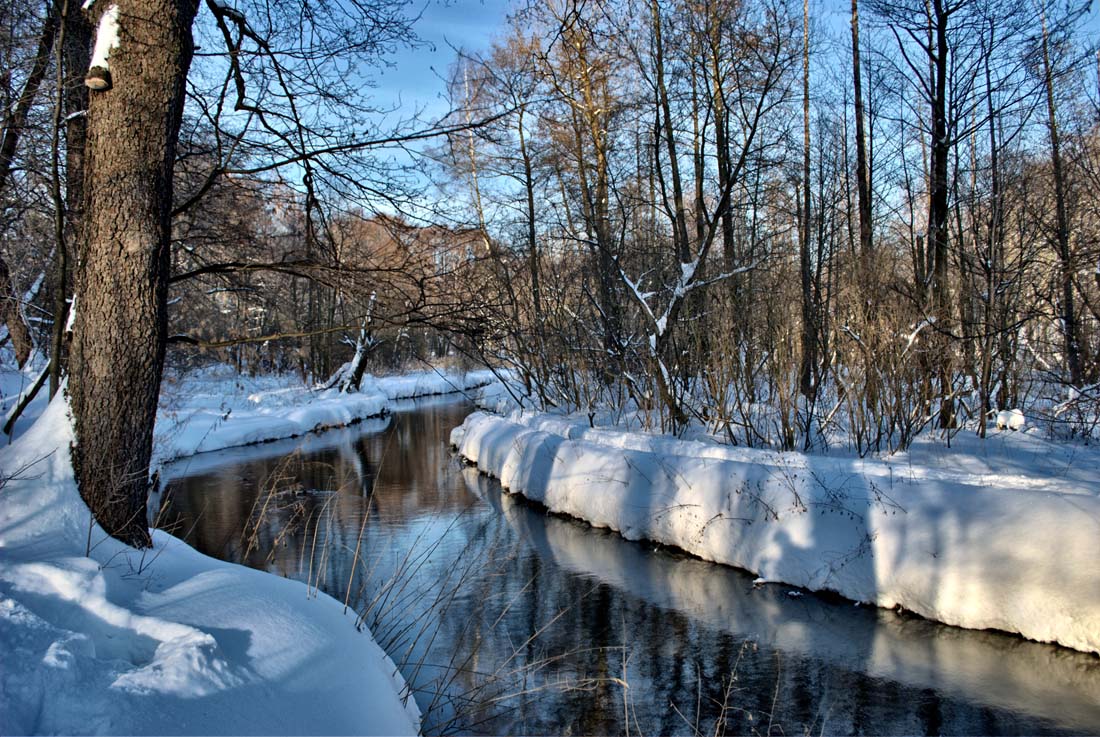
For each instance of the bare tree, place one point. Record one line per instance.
(122, 287)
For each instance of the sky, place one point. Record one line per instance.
(416, 76)
(413, 80)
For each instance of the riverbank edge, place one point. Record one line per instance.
(194, 427)
(102, 638)
(1012, 560)
(191, 677)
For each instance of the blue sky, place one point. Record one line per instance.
(416, 77)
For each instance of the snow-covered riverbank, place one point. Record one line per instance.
(214, 409)
(164, 641)
(99, 638)
(971, 547)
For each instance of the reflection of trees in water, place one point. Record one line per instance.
(505, 620)
(817, 664)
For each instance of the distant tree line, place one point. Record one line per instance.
(792, 230)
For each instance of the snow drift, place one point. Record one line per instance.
(216, 408)
(978, 667)
(164, 641)
(975, 552)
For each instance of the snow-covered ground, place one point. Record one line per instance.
(996, 534)
(216, 408)
(96, 637)
(164, 641)
(14, 382)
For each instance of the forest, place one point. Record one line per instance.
(833, 232)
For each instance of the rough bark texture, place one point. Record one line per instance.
(121, 326)
(863, 183)
(11, 314)
(76, 47)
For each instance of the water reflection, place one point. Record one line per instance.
(506, 620)
(988, 667)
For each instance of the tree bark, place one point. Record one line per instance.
(532, 241)
(76, 44)
(121, 321)
(664, 110)
(938, 209)
(809, 316)
(11, 314)
(863, 183)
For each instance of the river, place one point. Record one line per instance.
(507, 620)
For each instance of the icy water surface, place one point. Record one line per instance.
(507, 620)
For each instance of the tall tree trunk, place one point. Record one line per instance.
(995, 326)
(863, 183)
(809, 331)
(1070, 327)
(75, 42)
(589, 117)
(121, 321)
(532, 241)
(679, 226)
(938, 210)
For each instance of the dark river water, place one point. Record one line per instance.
(507, 620)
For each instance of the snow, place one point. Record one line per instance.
(164, 641)
(1012, 419)
(106, 38)
(96, 637)
(427, 383)
(215, 408)
(981, 542)
(14, 382)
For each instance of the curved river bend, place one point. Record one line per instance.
(506, 620)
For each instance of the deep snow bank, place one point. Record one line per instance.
(164, 641)
(216, 408)
(967, 551)
(977, 667)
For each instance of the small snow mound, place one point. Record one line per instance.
(187, 666)
(1012, 419)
